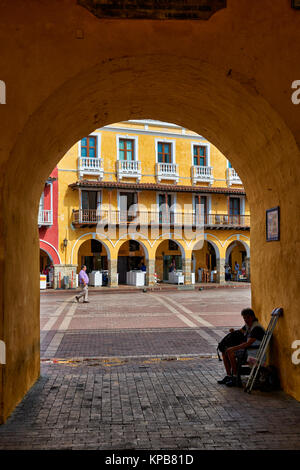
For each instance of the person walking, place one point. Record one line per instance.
(237, 270)
(84, 283)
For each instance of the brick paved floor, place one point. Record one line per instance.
(139, 371)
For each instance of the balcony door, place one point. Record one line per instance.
(166, 211)
(234, 209)
(126, 201)
(41, 205)
(90, 205)
(200, 209)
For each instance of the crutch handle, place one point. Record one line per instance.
(277, 312)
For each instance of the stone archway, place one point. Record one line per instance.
(169, 255)
(93, 254)
(233, 99)
(132, 254)
(45, 259)
(206, 261)
(238, 252)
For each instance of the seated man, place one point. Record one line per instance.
(253, 333)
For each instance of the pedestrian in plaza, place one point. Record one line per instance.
(143, 267)
(84, 284)
(172, 267)
(227, 272)
(237, 270)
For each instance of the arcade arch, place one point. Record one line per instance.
(169, 254)
(237, 259)
(132, 257)
(45, 260)
(92, 253)
(206, 261)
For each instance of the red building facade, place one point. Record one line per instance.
(48, 222)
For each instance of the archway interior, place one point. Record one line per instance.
(131, 257)
(168, 258)
(45, 260)
(92, 253)
(197, 95)
(204, 262)
(236, 262)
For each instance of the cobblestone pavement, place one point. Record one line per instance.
(139, 371)
(148, 404)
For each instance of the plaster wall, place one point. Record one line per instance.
(228, 78)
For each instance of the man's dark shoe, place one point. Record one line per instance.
(223, 381)
(77, 298)
(232, 382)
(86, 301)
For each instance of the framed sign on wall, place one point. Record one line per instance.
(273, 224)
(296, 4)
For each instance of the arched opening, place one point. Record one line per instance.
(237, 262)
(93, 254)
(45, 260)
(205, 262)
(200, 95)
(131, 267)
(169, 258)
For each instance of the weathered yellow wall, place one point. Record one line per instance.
(217, 77)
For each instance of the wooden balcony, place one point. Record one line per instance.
(224, 221)
(91, 217)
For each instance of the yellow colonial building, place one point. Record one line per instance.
(143, 201)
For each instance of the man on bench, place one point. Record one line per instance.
(253, 333)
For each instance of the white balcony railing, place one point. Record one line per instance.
(202, 174)
(167, 171)
(90, 166)
(232, 177)
(45, 217)
(129, 169)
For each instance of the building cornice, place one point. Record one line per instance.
(90, 184)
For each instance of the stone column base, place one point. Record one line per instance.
(247, 262)
(113, 280)
(221, 271)
(187, 270)
(150, 273)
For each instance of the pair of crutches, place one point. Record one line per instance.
(276, 313)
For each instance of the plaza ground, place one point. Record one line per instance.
(136, 370)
